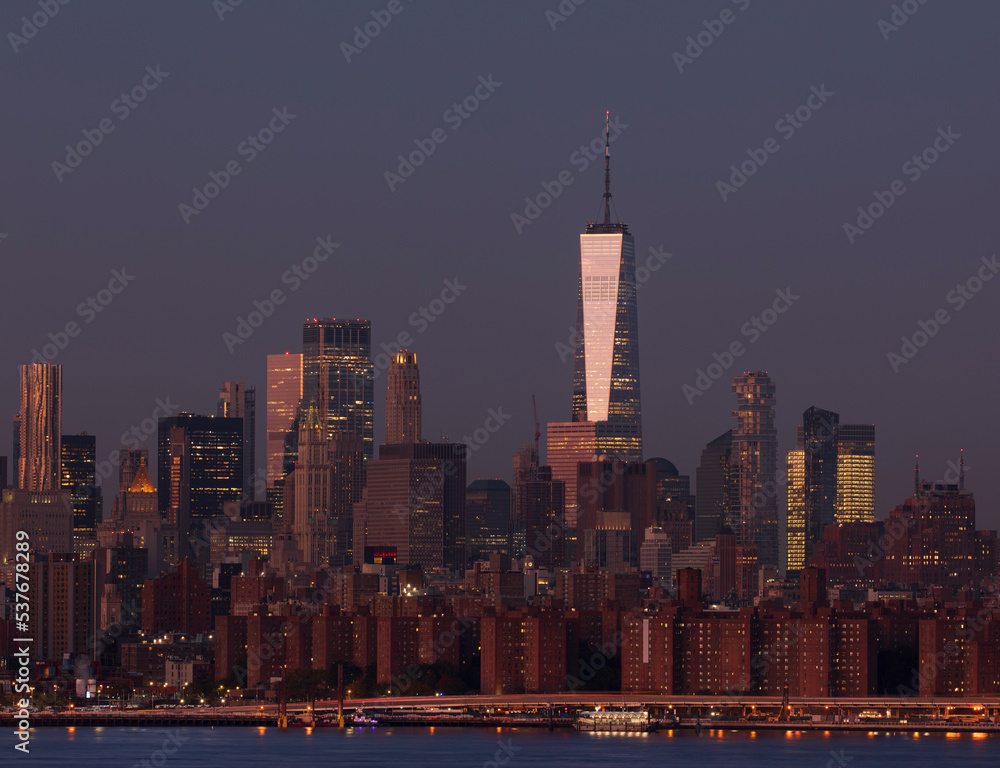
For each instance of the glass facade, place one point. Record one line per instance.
(343, 349)
(795, 522)
(40, 428)
(79, 477)
(855, 473)
(715, 500)
(606, 359)
(199, 467)
(819, 434)
(238, 401)
(488, 518)
(755, 449)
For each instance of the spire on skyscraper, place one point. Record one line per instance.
(916, 475)
(607, 168)
(961, 469)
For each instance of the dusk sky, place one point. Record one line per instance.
(874, 97)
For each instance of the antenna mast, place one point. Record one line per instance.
(607, 169)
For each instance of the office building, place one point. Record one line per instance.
(414, 503)
(284, 391)
(46, 517)
(238, 401)
(543, 500)
(488, 518)
(402, 400)
(795, 519)
(606, 354)
(339, 351)
(715, 484)
(568, 443)
(79, 477)
(855, 474)
(199, 467)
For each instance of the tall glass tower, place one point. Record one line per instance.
(606, 360)
(40, 430)
(343, 348)
(755, 449)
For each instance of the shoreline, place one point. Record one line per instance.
(104, 720)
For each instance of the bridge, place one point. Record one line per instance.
(559, 709)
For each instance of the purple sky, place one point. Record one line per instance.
(886, 93)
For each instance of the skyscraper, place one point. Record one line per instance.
(855, 473)
(819, 433)
(715, 497)
(487, 518)
(525, 471)
(343, 349)
(415, 502)
(79, 477)
(543, 500)
(199, 466)
(238, 401)
(284, 391)
(402, 400)
(831, 479)
(795, 519)
(40, 429)
(567, 443)
(329, 479)
(755, 448)
(606, 358)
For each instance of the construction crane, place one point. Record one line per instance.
(538, 432)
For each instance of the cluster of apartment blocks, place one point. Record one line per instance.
(817, 648)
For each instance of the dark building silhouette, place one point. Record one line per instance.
(79, 477)
(819, 433)
(544, 503)
(488, 518)
(714, 478)
(199, 467)
(238, 401)
(755, 453)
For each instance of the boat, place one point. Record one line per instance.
(613, 721)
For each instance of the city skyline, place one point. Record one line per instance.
(781, 230)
